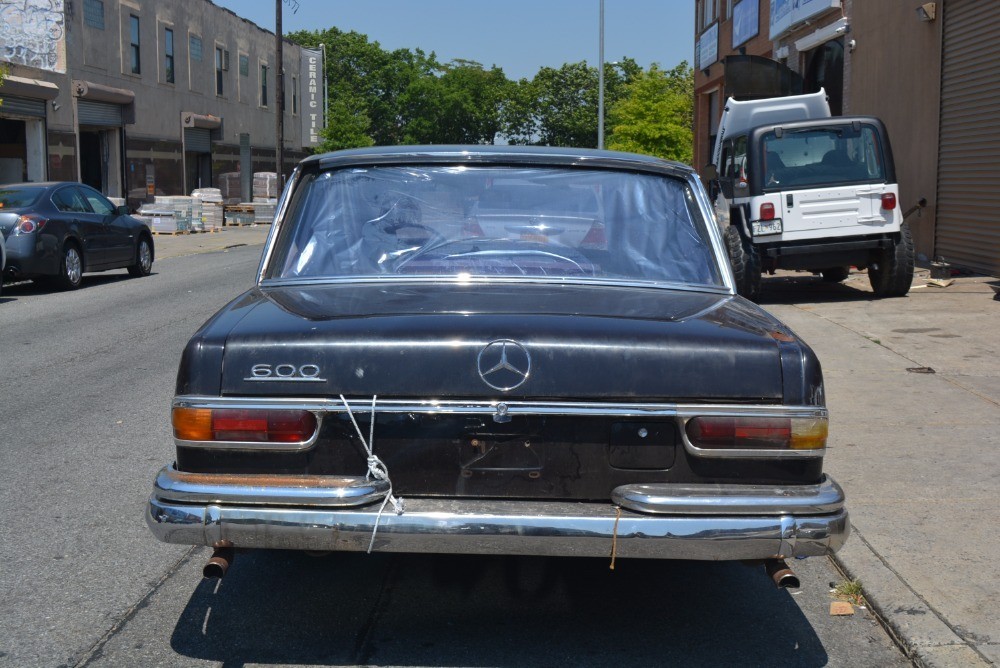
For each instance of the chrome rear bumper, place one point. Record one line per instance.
(706, 522)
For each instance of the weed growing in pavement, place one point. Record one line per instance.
(850, 590)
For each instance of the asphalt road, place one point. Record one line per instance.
(88, 378)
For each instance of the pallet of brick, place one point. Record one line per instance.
(263, 213)
(230, 187)
(265, 184)
(184, 210)
(239, 214)
(211, 208)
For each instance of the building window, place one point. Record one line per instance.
(134, 43)
(168, 55)
(194, 47)
(218, 71)
(263, 85)
(295, 96)
(710, 10)
(93, 13)
(244, 65)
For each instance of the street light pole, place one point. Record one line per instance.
(279, 100)
(600, 82)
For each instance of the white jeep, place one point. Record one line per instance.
(796, 188)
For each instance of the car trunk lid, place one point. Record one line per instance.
(503, 341)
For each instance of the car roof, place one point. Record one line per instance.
(835, 121)
(487, 154)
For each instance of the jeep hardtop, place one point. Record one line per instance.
(796, 188)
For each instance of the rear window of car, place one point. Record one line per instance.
(822, 156)
(495, 222)
(19, 198)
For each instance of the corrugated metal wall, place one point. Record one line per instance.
(99, 114)
(968, 206)
(20, 106)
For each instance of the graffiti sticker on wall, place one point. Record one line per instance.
(33, 33)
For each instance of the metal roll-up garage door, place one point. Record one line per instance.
(198, 140)
(968, 206)
(100, 114)
(22, 106)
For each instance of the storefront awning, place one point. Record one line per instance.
(189, 119)
(101, 93)
(31, 88)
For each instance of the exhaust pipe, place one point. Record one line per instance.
(781, 574)
(222, 557)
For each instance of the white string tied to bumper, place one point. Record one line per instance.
(376, 467)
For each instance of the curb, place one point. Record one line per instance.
(924, 635)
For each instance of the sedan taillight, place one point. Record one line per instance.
(29, 223)
(243, 425)
(757, 433)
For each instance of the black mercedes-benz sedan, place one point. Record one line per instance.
(59, 231)
(498, 350)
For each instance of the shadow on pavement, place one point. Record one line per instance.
(794, 289)
(31, 288)
(407, 610)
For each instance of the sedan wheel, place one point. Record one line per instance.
(71, 268)
(143, 259)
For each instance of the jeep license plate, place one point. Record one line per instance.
(762, 227)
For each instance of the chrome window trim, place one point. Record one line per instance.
(363, 407)
(687, 176)
(486, 280)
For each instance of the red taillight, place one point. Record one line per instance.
(888, 201)
(29, 224)
(595, 238)
(767, 211)
(243, 425)
(757, 433)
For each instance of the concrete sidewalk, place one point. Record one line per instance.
(913, 387)
(175, 245)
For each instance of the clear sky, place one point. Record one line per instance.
(518, 35)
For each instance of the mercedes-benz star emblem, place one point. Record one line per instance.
(504, 364)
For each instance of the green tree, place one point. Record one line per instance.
(566, 100)
(461, 106)
(365, 84)
(655, 114)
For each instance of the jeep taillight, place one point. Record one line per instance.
(757, 433)
(888, 201)
(767, 211)
(243, 425)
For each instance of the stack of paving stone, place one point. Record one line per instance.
(211, 207)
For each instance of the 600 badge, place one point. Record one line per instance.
(307, 373)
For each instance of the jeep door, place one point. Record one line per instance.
(830, 181)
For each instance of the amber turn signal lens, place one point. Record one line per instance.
(192, 424)
(243, 425)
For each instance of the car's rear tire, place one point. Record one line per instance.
(892, 272)
(70, 267)
(745, 261)
(835, 274)
(143, 258)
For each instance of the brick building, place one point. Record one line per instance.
(927, 69)
(143, 96)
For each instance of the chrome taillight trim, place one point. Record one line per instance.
(490, 407)
(270, 446)
(755, 453)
